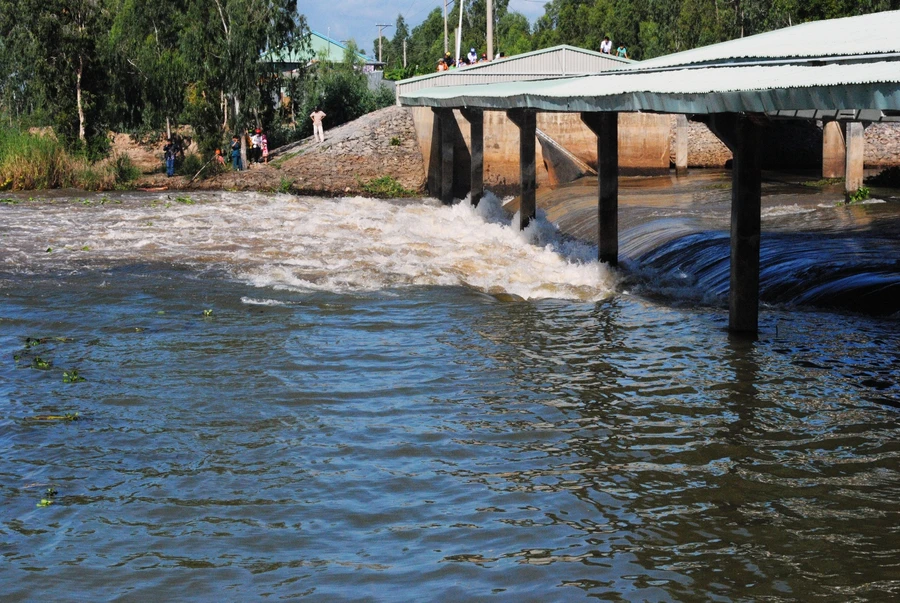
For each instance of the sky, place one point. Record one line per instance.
(359, 19)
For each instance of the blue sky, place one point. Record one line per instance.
(358, 19)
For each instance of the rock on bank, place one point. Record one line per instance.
(380, 144)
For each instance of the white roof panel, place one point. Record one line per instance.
(755, 88)
(876, 33)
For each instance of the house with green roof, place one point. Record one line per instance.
(321, 47)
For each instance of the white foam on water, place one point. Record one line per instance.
(785, 210)
(262, 302)
(314, 244)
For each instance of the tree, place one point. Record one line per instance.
(146, 39)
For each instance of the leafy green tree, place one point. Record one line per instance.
(146, 39)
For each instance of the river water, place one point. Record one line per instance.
(364, 400)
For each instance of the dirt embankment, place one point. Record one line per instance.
(376, 145)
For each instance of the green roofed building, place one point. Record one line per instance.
(321, 47)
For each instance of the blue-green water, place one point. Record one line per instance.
(261, 423)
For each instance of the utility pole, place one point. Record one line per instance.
(404, 53)
(490, 30)
(446, 37)
(380, 27)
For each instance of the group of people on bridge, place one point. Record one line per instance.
(448, 62)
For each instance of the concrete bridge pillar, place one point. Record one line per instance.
(681, 144)
(447, 135)
(746, 193)
(526, 120)
(606, 126)
(855, 162)
(833, 155)
(475, 117)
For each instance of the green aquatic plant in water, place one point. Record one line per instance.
(72, 377)
(861, 194)
(186, 200)
(49, 495)
(40, 364)
(69, 416)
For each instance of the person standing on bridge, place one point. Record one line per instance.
(622, 51)
(318, 131)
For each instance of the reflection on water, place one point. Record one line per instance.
(422, 441)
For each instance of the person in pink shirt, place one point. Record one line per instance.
(317, 116)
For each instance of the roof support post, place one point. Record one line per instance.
(606, 126)
(446, 131)
(833, 155)
(526, 120)
(746, 192)
(855, 159)
(475, 117)
(681, 144)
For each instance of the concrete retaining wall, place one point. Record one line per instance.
(643, 144)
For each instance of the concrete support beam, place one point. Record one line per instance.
(746, 192)
(446, 129)
(475, 117)
(606, 127)
(526, 120)
(855, 161)
(681, 144)
(833, 155)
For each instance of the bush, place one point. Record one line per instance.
(385, 188)
(125, 171)
(190, 165)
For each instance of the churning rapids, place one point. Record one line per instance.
(244, 396)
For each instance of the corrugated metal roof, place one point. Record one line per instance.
(701, 90)
(876, 33)
(558, 61)
(555, 61)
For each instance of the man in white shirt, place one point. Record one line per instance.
(606, 45)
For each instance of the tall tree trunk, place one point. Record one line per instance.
(224, 112)
(78, 101)
(238, 127)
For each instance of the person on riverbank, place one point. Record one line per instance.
(255, 147)
(264, 143)
(236, 154)
(169, 152)
(318, 131)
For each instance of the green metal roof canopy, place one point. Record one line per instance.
(844, 81)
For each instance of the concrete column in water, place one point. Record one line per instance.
(475, 117)
(833, 155)
(681, 144)
(746, 191)
(446, 131)
(606, 126)
(856, 150)
(526, 120)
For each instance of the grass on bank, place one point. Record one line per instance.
(385, 187)
(39, 161)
